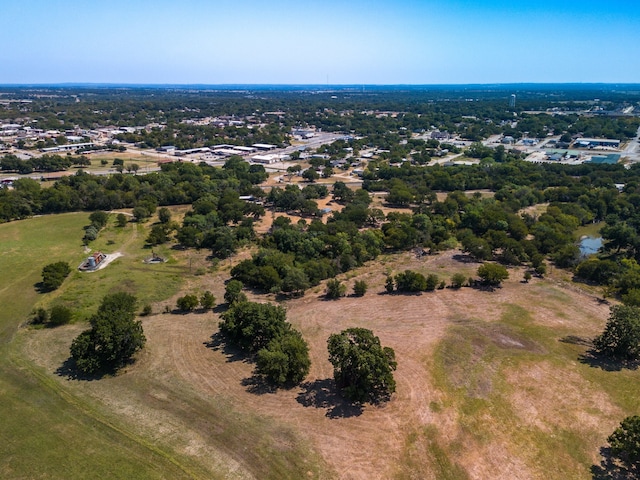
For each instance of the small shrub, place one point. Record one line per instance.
(187, 303)
(410, 281)
(54, 274)
(146, 310)
(90, 234)
(59, 315)
(457, 280)
(335, 289)
(389, 284)
(207, 300)
(164, 215)
(431, 282)
(39, 316)
(360, 288)
(492, 274)
(233, 292)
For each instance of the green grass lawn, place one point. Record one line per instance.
(45, 431)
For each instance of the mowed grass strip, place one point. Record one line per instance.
(45, 431)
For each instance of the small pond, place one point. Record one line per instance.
(589, 245)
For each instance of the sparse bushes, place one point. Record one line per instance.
(39, 316)
(57, 315)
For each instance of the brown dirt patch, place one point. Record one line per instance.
(550, 397)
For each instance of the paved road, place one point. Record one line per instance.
(632, 147)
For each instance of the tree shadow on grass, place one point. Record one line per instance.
(464, 258)
(218, 343)
(609, 469)
(576, 340)
(604, 362)
(324, 394)
(70, 371)
(258, 385)
(40, 288)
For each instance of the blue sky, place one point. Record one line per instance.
(315, 42)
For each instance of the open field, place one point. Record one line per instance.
(47, 431)
(490, 384)
(486, 387)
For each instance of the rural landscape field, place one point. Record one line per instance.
(286, 283)
(490, 384)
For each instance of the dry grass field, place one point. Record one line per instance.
(489, 384)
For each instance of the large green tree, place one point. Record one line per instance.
(362, 368)
(252, 325)
(285, 360)
(492, 274)
(625, 445)
(113, 338)
(621, 336)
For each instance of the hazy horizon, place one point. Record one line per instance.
(379, 42)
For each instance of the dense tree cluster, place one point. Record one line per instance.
(282, 355)
(43, 163)
(294, 257)
(177, 183)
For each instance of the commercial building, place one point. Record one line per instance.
(264, 146)
(265, 159)
(597, 142)
(65, 148)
